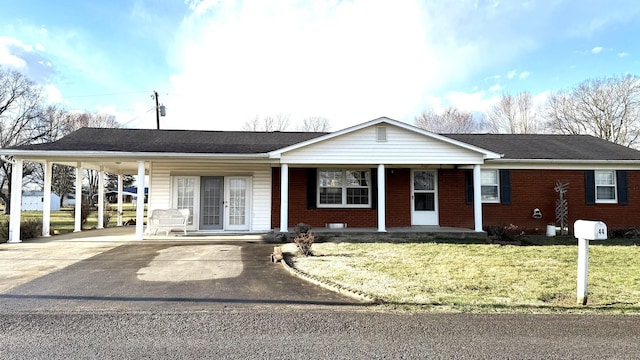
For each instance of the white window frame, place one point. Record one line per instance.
(344, 186)
(614, 186)
(496, 185)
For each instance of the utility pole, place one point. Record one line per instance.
(155, 96)
(160, 109)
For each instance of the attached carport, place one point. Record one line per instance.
(101, 161)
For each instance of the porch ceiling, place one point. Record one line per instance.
(112, 165)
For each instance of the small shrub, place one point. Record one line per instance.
(302, 228)
(30, 228)
(4, 232)
(304, 238)
(503, 233)
(85, 211)
(624, 233)
(107, 214)
(304, 242)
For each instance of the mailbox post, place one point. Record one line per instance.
(586, 230)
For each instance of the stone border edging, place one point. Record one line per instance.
(328, 284)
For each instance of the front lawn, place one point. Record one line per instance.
(62, 221)
(481, 277)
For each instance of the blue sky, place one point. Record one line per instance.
(219, 63)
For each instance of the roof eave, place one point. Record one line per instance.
(128, 155)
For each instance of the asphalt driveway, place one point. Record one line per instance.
(153, 275)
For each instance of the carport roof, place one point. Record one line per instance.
(173, 141)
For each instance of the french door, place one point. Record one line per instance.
(214, 202)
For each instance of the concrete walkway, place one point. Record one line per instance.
(108, 270)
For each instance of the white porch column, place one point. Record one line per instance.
(46, 203)
(16, 202)
(382, 207)
(78, 219)
(119, 199)
(284, 198)
(477, 198)
(101, 198)
(140, 202)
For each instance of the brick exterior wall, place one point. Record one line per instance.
(397, 195)
(530, 189)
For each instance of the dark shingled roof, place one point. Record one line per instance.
(558, 147)
(513, 146)
(174, 141)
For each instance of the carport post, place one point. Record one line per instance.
(140, 202)
(101, 198)
(16, 202)
(78, 220)
(46, 201)
(119, 199)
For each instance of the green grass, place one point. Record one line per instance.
(480, 277)
(63, 221)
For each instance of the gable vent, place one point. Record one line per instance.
(381, 133)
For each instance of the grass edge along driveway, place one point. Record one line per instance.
(480, 277)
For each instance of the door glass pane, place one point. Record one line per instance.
(424, 202)
(237, 201)
(211, 202)
(424, 180)
(185, 193)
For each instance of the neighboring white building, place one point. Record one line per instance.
(33, 200)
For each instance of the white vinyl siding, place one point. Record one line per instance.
(363, 147)
(163, 174)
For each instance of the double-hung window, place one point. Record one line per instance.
(490, 186)
(344, 188)
(606, 186)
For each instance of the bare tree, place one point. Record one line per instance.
(278, 122)
(514, 115)
(315, 124)
(450, 121)
(20, 122)
(607, 108)
(63, 180)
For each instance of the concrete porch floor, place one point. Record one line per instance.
(403, 234)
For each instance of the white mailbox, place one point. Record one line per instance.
(590, 230)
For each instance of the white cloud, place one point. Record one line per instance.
(597, 50)
(10, 49)
(512, 74)
(354, 62)
(473, 102)
(623, 54)
(524, 75)
(495, 88)
(53, 94)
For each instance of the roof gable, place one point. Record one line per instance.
(403, 145)
(389, 122)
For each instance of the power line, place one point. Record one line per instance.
(137, 117)
(107, 94)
